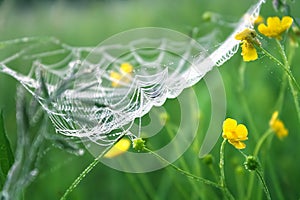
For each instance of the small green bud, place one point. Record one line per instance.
(207, 16)
(251, 163)
(208, 159)
(138, 144)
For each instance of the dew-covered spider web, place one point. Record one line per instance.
(96, 93)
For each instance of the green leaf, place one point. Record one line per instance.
(6, 154)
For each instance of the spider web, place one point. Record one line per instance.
(74, 86)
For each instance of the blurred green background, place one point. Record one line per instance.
(87, 23)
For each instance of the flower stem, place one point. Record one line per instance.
(291, 54)
(280, 99)
(87, 170)
(274, 180)
(226, 192)
(182, 161)
(289, 73)
(241, 90)
(261, 141)
(262, 180)
(221, 164)
(187, 174)
(290, 80)
(81, 176)
(136, 187)
(255, 153)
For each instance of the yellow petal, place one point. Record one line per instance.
(126, 67)
(246, 34)
(273, 118)
(286, 22)
(237, 144)
(275, 27)
(279, 129)
(249, 53)
(229, 135)
(241, 131)
(282, 133)
(116, 77)
(263, 29)
(259, 20)
(229, 125)
(273, 22)
(119, 148)
(278, 126)
(242, 35)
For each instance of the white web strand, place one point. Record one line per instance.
(81, 101)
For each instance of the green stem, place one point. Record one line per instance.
(281, 95)
(87, 170)
(221, 164)
(290, 80)
(274, 179)
(261, 141)
(146, 184)
(255, 153)
(239, 179)
(165, 186)
(289, 73)
(187, 174)
(226, 192)
(182, 161)
(136, 187)
(81, 176)
(241, 89)
(213, 171)
(262, 180)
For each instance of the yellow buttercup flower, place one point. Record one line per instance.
(278, 126)
(126, 67)
(275, 27)
(235, 133)
(116, 78)
(248, 39)
(123, 77)
(246, 34)
(119, 148)
(249, 52)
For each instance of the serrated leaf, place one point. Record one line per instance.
(6, 154)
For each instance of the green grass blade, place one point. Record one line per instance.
(6, 154)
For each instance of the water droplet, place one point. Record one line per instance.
(80, 152)
(34, 172)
